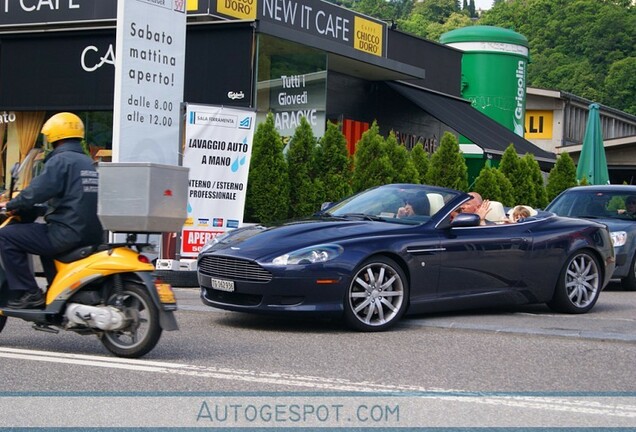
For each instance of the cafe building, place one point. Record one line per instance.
(293, 58)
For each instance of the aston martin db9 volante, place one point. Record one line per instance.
(615, 206)
(368, 260)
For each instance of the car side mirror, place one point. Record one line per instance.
(465, 220)
(325, 205)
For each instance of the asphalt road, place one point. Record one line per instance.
(499, 368)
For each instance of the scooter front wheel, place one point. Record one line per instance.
(3, 321)
(144, 330)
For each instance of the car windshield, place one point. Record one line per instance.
(619, 204)
(413, 204)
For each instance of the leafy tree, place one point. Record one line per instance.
(540, 195)
(384, 10)
(620, 85)
(573, 43)
(421, 159)
(267, 196)
(372, 166)
(456, 20)
(332, 167)
(302, 197)
(562, 176)
(448, 167)
(403, 169)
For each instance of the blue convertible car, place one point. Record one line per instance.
(365, 260)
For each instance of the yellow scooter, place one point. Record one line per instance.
(106, 290)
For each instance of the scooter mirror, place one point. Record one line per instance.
(15, 170)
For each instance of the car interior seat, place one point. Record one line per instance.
(497, 212)
(436, 202)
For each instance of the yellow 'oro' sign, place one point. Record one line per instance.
(368, 36)
(242, 9)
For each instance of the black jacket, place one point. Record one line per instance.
(68, 184)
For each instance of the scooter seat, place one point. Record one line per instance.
(77, 254)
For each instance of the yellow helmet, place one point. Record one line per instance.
(63, 125)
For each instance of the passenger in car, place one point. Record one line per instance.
(519, 213)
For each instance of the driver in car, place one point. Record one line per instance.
(630, 207)
(417, 205)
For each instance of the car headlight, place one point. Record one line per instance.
(619, 238)
(310, 255)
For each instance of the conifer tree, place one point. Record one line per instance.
(493, 185)
(302, 196)
(372, 166)
(267, 196)
(540, 194)
(422, 160)
(507, 190)
(519, 175)
(448, 167)
(402, 167)
(562, 176)
(332, 167)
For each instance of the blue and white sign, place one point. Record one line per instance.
(217, 149)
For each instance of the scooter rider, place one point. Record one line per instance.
(68, 184)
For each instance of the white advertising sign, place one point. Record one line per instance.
(149, 76)
(217, 149)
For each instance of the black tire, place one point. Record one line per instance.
(629, 282)
(144, 331)
(377, 297)
(3, 321)
(579, 284)
(179, 278)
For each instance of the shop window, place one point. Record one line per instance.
(291, 83)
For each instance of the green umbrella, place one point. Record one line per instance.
(592, 164)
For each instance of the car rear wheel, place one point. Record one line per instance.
(377, 297)
(629, 282)
(579, 284)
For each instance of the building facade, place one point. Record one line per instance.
(292, 58)
(555, 121)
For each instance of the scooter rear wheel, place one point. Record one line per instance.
(144, 331)
(3, 321)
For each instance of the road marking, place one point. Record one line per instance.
(613, 405)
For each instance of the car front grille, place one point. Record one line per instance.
(234, 269)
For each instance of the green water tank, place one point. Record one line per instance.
(494, 72)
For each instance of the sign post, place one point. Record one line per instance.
(149, 78)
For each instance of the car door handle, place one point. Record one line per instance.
(517, 240)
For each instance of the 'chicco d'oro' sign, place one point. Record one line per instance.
(368, 36)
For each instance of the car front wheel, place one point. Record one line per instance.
(377, 297)
(579, 284)
(629, 282)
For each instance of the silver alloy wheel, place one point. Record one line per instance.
(582, 280)
(376, 296)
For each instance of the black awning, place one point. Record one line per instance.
(459, 115)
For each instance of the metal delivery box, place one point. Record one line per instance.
(142, 196)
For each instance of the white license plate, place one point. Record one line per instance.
(222, 285)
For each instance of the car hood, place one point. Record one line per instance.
(256, 242)
(617, 224)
